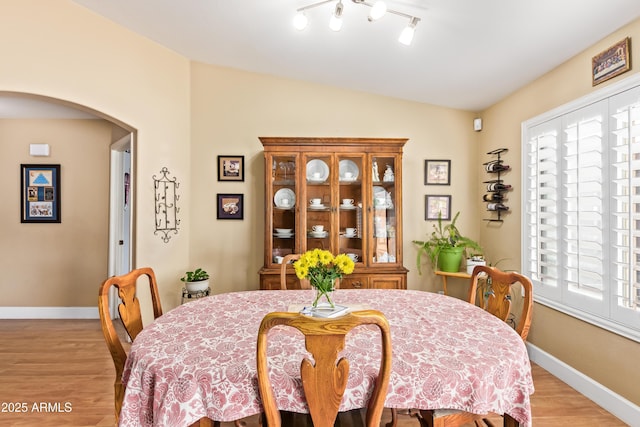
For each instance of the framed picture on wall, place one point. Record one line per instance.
(230, 206)
(230, 168)
(40, 193)
(437, 172)
(611, 62)
(436, 205)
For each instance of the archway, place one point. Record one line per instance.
(121, 200)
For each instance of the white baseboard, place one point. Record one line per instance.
(619, 406)
(49, 313)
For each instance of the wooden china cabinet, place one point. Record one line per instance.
(339, 194)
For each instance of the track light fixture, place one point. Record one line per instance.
(336, 19)
(378, 10)
(406, 37)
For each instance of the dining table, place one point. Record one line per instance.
(199, 359)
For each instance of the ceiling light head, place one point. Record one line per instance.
(406, 37)
(378, 10)
(336, 19)
(300, 21)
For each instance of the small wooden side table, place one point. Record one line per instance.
(187, 296)
(445, 274)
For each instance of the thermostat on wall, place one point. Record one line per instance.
(477, 124)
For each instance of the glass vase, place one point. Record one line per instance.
(323, 294)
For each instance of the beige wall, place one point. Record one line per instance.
(187, 114)
(231, 109)
(55, 264)
(607, 358)
(61, 50)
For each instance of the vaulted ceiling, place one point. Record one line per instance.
(466, 54)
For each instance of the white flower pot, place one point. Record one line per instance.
(471, 263)
(199, 286)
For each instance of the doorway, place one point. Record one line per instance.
(120, 214)
(120, 238)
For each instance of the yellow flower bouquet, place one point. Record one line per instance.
(321, 268)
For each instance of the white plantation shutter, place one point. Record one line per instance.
(624, 111)
(584, 208)
(581, 208)
(542, 227)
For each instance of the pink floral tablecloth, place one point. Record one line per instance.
(199, 359)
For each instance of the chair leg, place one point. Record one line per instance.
(394, 418)
(206, 422)
(426, 418)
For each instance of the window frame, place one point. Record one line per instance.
(609, 316)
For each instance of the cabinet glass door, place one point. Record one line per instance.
(319, 201)
(384, 221)
(350, 205)
(285, 199)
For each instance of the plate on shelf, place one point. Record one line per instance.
(378, 189)
(282, 194)
(317, 171)
(318, 235)
(283, 235)
(320, 207)
(347, 207)
(348, 166)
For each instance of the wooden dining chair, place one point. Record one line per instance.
(304, 283)
(325, 380)
(286, 261)
(130, 315)
(502, 294)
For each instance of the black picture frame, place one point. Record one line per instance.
(437, 172)
(230, 206)
(434, 204)
(40, 193)
(231, 168)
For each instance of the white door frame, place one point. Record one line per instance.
(120, 213)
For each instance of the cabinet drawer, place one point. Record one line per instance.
(388, 281)
(354, 282)
(270, 282)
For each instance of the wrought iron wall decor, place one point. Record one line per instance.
(166, 201)
(496, 195)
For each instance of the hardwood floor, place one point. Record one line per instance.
(58, 373)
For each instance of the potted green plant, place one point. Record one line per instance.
(196, 281)
(446, 246)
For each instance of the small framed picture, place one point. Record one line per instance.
(436, 206)
(230, 206)
(437, 172)
(611, 62)
(230, 168)
(40, 193)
